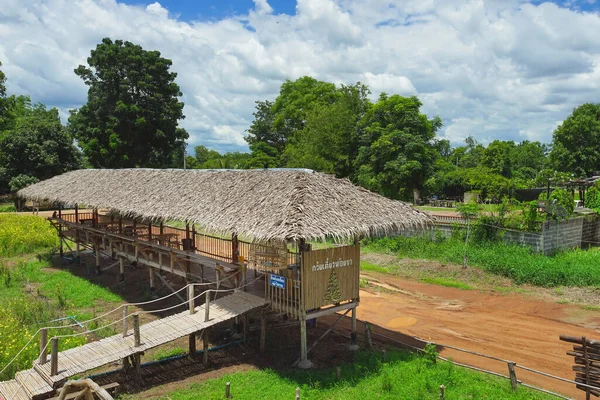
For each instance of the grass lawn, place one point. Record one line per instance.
(402, 376)
(32, 293)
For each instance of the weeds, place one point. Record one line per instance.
(521, 264)
(21, 234)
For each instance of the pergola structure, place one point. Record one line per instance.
(297, 229)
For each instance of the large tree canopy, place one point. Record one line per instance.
(36, 148)
(576, 142)
(276, 123)
(398, 149)
(133, 108)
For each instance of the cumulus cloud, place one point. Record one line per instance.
(507, 69)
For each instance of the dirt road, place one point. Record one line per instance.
(511, 326)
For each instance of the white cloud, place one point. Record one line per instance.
(490, 68)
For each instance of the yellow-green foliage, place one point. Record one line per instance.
(20, 234)
(16, 332)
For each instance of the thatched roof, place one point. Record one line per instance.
(263, 204)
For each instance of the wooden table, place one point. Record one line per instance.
(165, 239)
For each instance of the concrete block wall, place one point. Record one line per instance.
(554, 235)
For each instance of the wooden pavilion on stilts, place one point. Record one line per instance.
(296, 231)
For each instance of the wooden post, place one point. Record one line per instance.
(205, 346)
(587, 367)
(353, 343)
(384, 355)
(303, 344)
(138, 366)
(76, 214)
(297, 393)
(77, 246)
(246, 327)
(207, 307)
(442, 388)
(193, 237)
(151, 273)
(513, 375)
(120, 224)
(149, 231)
(234, 248)
(136, 329)
(191, 299)
(338, 373)
(97, 248)
(227, 390)
(368, 335)
(125, 315)
(54, 356)
(121, 268)
(263, 331)
(43, 345)
(161, 228)
(192, 345)
(60, 235)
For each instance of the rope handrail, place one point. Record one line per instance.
(87, 331)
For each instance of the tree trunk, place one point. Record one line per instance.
(416, 195)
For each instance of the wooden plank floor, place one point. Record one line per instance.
(37, 381)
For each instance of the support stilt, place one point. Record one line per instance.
(263, 331)
(97, 250)
(353, 345)
(205, 346)
(304, 361)
(192, 345)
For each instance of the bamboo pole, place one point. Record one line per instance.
(263, 331)
(228, 390)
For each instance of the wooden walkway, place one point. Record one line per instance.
(37, 382)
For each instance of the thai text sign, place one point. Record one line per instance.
(277, 281)
(330, 276)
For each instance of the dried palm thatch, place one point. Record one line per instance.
(281, 205)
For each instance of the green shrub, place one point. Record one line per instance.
(592, 198)
(564, 199)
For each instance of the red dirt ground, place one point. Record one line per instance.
(510, 326)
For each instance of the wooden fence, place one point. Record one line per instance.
(285, 294)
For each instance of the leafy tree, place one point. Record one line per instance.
(276, 123)
(38, 146)
(329, 140)
(397, 153)
(2, 83)
(497, 157)
(133, 107)
(576, 142)
(21, 181)
(203, 154)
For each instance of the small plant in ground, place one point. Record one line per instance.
(386, 381)
(364, 283)
(430, 353)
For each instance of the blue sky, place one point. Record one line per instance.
(200, 10)
(493, 69)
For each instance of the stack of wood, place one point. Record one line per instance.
(587, 363)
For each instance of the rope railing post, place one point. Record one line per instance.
(207, 307)
(54, 356)
(136, 329)
(513, 375)
(191, 298)
(43, 345)
(125, 321)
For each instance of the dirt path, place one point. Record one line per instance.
(508, 326)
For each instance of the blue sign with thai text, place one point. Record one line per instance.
(277, 281)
